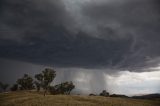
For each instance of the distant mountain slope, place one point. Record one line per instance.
(149, 96)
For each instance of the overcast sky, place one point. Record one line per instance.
(98, 44)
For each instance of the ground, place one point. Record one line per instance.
(34, 99)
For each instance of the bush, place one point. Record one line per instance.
(104, 93)
(3, 86)
(92, 94)
(14, 87)
(117, 95)
(63, 88)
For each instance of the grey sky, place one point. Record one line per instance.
(104, 37)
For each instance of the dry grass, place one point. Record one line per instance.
(34, 99)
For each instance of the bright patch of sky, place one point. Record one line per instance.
(132, 83)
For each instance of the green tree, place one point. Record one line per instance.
(68, 87)
(63, 88)
(26, 82)
(71, 87)
(4, 86)
(45, 78)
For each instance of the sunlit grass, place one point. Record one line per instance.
(35, 99)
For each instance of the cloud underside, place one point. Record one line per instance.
(114, 35)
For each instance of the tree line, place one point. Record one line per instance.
(107, 94)
(41, 81)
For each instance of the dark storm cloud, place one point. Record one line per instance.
(30, 17)
(136, 19)
(82, 51)
(123, 35)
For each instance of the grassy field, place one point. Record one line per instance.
(34, 99)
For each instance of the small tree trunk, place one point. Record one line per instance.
(45, 92)
(69, 92)
(46, 89)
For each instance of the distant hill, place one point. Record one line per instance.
(149, 96)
